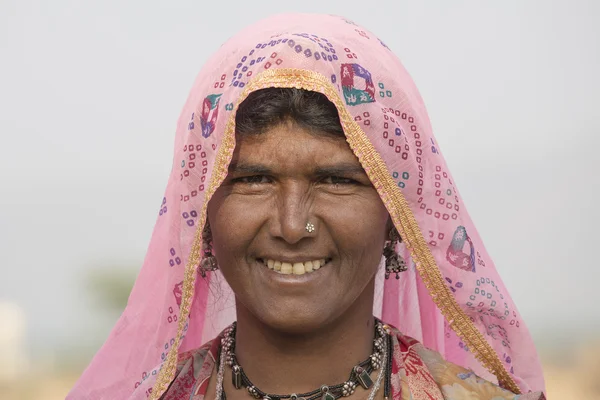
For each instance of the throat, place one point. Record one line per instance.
(339, 361)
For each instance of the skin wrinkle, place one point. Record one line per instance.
(287, 334)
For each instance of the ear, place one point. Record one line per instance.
(389, 227)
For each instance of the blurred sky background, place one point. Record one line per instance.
(90, 93)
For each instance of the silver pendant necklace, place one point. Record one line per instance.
(380, 359)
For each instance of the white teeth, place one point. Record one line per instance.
(299, 268)
(286, 268)
(308, 266)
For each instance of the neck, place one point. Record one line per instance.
(278, 362)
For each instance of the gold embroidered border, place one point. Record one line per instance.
(222, 160)
(397, 206)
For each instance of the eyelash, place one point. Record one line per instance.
(339, 180)
(251, 180)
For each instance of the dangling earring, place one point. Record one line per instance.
(208, 262)
(394, 264)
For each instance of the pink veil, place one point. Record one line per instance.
(451, 299)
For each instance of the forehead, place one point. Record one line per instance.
(291, 146)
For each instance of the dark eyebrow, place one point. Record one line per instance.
(340, 169)
(329, 170)
(249, 168)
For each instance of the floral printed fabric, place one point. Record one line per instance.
(457, 383)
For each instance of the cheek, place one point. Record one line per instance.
(234, 224)
(360, 230)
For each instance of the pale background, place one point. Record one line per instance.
(90, 93)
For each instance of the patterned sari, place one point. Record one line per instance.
(452, 299)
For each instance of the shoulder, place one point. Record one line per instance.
(454, 381)
(200, 358)
(193, 371)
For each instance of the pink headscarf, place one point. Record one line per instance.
(451, 298)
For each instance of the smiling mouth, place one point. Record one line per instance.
(297, 268)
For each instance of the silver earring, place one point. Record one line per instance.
(394, 263)
(208, 263)
(310, 228)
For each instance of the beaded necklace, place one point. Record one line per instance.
(359, 375)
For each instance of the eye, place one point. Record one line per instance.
(338, 180)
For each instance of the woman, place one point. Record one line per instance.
(308, 195)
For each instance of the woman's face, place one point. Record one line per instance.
(278, 182)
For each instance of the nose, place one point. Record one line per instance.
(293, 212)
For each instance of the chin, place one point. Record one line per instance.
(294, 319)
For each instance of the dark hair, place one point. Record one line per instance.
(266, 108)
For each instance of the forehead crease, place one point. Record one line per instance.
(285, 147)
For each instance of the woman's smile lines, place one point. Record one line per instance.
(296, 268)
